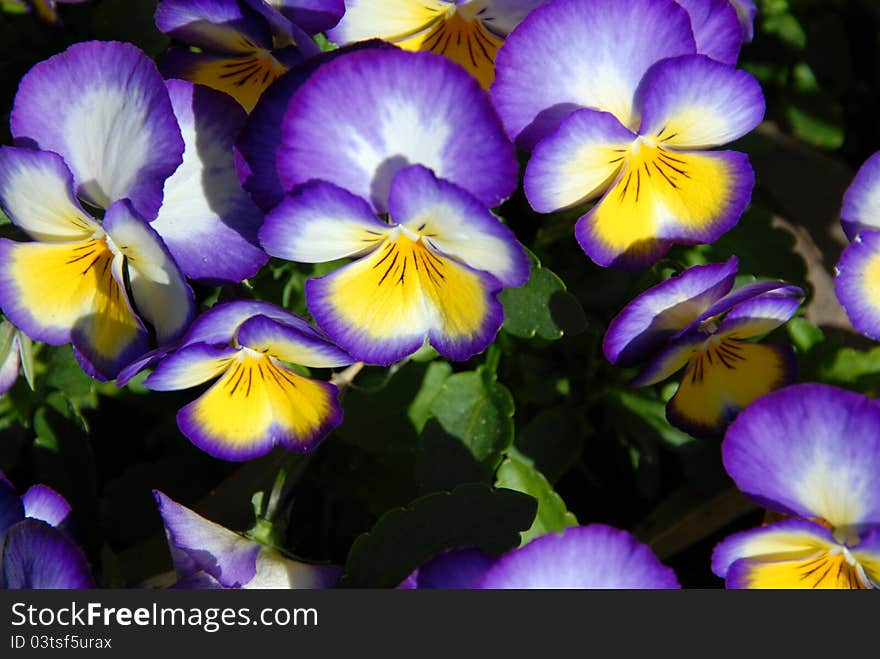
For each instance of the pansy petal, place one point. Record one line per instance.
(36, 193)
(381, 307)
(867, 553)
(290, 344)
(661, 198)
(276, 571)
(822, 570)
(365, 115)
(716, 27)
(219, 325)
(861, 201)
(724, 379)
(9, 369)
(811, 450)
(257, 404)
(207, 220)
(572, 54)
(225, 25)
(190, 366)
(759, 316)
(456, 569)
(313, 16)
(243, 77)
(455, 222)
(653, 316)
(11, 507)
(43, 503)
(103, 107)
(37, 556)
(160, 292)
(224, 554)
(577, 162)
(696, 102)
(743, 295)
(320, 222)
(674, 357)
(62, 292)
(595, 556)
(391, 20)
(746, 10)
(858, 273)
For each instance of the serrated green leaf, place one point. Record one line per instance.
(552, 515)
(472, 515)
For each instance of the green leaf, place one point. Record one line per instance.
(541, 307)
(26, 351)
(652, 412)
(804, 334)
(472, 515)
(420, 409)
(477, 410)
(516, 474)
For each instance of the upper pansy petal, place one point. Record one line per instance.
(742, 295)
(224, 554)
(224, 25)
(662, 198)
(595, 556)
(577, 162)
(653, 316)
(861, 201)
(572, 54)
(219, 324)
(190, 366)
(160, 292)
(454, 222)
(455, 569)
(745, 11)
(696, 102)
(104, 108)
(36, 193)
(37, 556)
(812, 450)
(320, 222)
(856, 284)
(365, 115)
(759, 315)
(43, 503)
(313, 16)
(263, 334)
(716, 27)
(207, 220)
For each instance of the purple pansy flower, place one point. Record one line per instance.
(613, 116)
(694, 322)
(207, 555)
(99, 128)
(811, 452)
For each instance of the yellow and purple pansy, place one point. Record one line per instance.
(694, 321)
(37, 549)
(468, 32)
(858, 273)
(126, 185)
(432, 270)
(245, 45)
(207, 555)
(629, 121)
(595, 557)
(809, 452)
(257, 400)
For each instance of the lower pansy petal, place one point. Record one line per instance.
(454, 222)
(674, 357)
(320, 222)
(664, 197)
(577, 162)
(380, 308)
(37, 556)
(391, 20)
(43, 503)
(244, 77)
(256, 405)
(274, 571)
(595, 556)
(725, 378)
(290, 344)
(456, 569)
(867, 553)
(190, 366)
(858, 273)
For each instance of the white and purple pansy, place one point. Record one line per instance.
(207, 555)
(589, 557)
(858, 272)
(257, 400)
(613, 116)
(696, 322)
(468, 32)
(36, 549)
(432, 270)
(810, 452)
(245, 45)
(126, 185)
